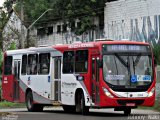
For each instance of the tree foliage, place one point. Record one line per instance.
(12, 46)
(84, 10)
(3, 19)
(156, 51)
(66, 10)
(32, 9)
(8, 5)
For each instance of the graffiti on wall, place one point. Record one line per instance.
(69, 37)
(141, 29)
(88, 36)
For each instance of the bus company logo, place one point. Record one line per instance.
(87, 45)
(10, 117)
(69, 85)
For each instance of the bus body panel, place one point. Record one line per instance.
(7, 87)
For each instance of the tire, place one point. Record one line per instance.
(69, 109)
(80, 104)
(127, 111)
(30, 105)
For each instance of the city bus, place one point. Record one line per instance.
(80, 76)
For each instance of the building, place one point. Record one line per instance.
(59, 33)
(47, 33)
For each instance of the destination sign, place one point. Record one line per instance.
(126, 48)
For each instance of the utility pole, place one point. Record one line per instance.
(28, 29)
(22, 27)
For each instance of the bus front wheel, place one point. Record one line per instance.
(30, 104)
(80, 104)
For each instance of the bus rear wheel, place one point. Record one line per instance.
(30, 104)
(80, 104)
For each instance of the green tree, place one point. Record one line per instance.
(32, 9)
(12, 46)
(156, 51)
(67, 10)
(3, 19)
(84, 10)
(8, 5)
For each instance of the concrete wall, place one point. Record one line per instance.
(133, 19)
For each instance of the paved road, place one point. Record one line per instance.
(59, 114)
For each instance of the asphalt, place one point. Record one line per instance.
(57, 113)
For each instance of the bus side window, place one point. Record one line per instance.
(8, 65)
(24, 65)
(81, 62)
(32, 64)
(68, 62)
(44, 63)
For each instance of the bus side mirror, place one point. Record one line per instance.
(100, 63)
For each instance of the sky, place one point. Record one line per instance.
(1, 2)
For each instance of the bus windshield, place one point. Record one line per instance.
(127, 69)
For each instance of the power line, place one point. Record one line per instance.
(78, 16)
(41, 22)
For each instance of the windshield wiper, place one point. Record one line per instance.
(121, 60)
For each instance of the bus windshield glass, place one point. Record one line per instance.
(129, 65)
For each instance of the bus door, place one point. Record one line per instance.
(16, 90)
(56, 79)
(95, 80)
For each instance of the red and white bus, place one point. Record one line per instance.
(79, 76)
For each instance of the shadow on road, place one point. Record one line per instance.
(98, 114)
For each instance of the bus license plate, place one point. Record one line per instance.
(130, 104)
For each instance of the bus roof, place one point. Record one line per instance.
(62, 47)
(94, 44)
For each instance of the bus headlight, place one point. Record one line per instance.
(107, 93)
(151, 92)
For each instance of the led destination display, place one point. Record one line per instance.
(125, 48)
